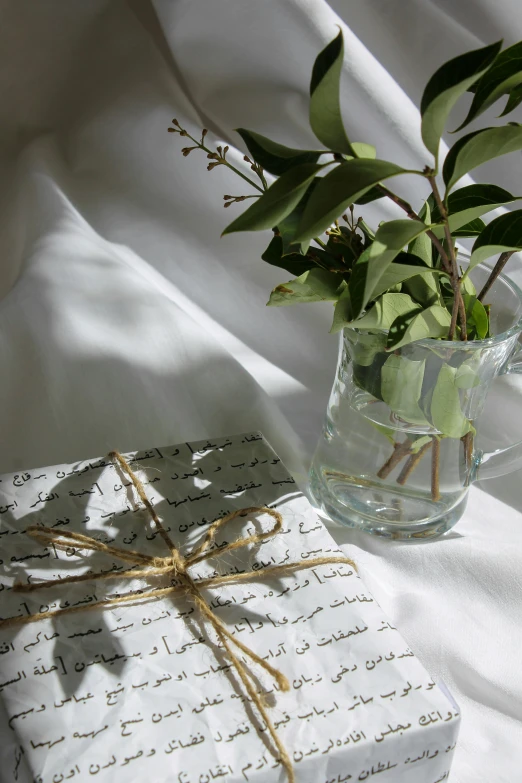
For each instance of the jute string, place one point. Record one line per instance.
(176, 565)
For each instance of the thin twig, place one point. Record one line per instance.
(402, 203)
(414, 216)
(458, 309)
(222, 160)
(236, 199)
(497, 269)
(435, 469)
(458, 302)
(463, 319)
(453, 323)
(440, 249)
(412, 463)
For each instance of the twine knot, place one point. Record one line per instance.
(176, 564)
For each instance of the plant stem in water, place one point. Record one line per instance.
(435, 470)
(400, 450)
(412, 463)
(467, 441)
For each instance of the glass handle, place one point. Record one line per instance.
(492, 464)
(514, 365)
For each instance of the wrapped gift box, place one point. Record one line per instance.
(143, 689)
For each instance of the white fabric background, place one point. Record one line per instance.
(126, 322)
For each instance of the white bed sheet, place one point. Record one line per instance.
(125, 320)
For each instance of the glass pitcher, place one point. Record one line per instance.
(400, 445)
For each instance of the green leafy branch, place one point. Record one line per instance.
(309, 195)
(400, 283)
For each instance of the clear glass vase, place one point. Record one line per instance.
(399, 447)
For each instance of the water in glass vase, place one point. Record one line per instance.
(401, 442)
(389, 479)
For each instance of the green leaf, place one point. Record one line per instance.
(501, 235)
(316, 285)
(385, 311)
(466, 378)
(325, 108)
(419, 443)
(469, 300)
(503, 76)
(477, 148)
(274, 157)
(388, 432)
(371, 195)
(368, 377)
(401, 385)
(342, 312)
(362, 150)
(446, 86)
(467, 286)
(367, 272)
(424, 288)
(338, 189)
(382, 314)
(514, 100)
(467, 375)
(369, 233)
(487, 308)
(288, 225)
(348, 246)
(434, 360)
(366, 347)
(406, 267)
(325, 258)
(478, 320)
(421, 245)
(471, 229)
(395, 234)
(277, 202)
(469, 203)
(433, 322)
(294, 263)
(446, 412)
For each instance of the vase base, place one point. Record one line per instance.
(364, 505)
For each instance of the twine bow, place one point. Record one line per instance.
(177, 565)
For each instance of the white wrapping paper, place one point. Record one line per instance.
(138, 690)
